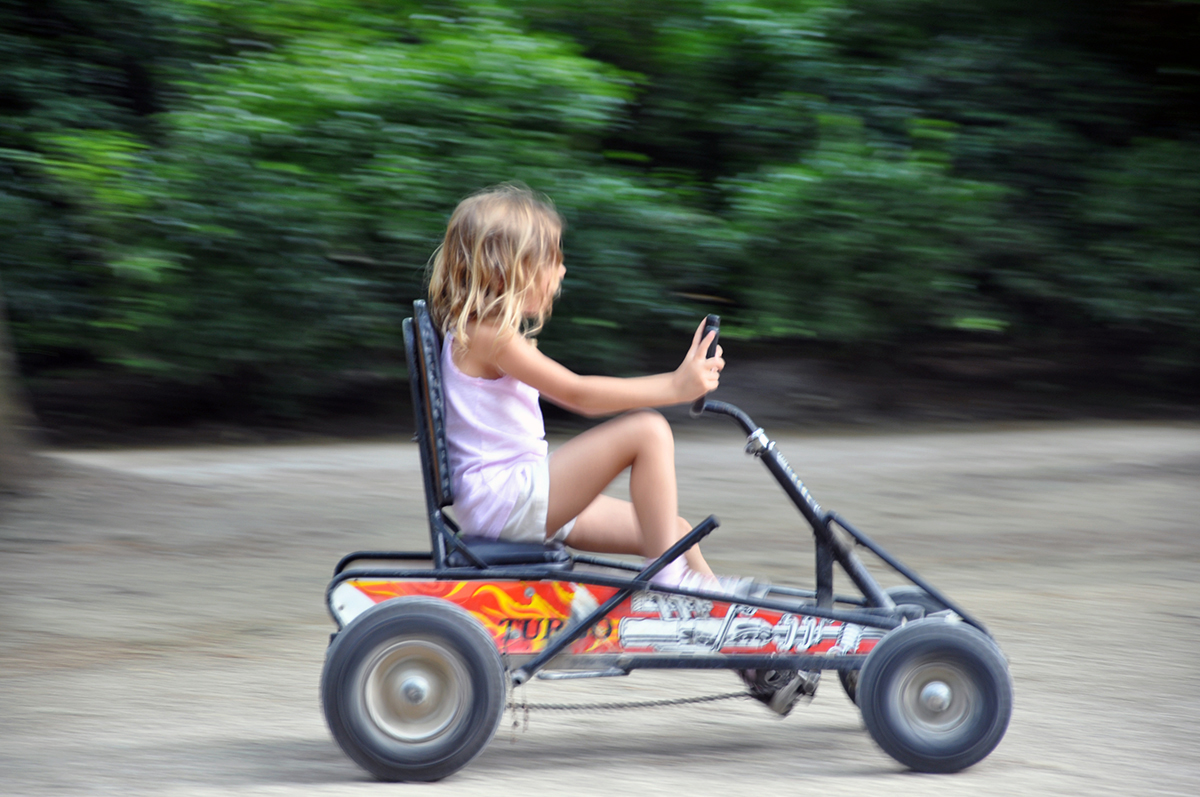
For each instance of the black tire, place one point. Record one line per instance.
(913, 595)
(936, 695)
(903, 594)
(413, 689)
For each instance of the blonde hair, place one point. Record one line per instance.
(498, 243)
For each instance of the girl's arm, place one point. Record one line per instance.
(602, 395)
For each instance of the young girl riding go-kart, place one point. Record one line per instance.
(415, 679)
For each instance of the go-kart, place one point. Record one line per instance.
(429, 642)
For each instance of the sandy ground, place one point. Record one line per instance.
(163, 625)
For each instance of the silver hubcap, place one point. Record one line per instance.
(416, 690)
(936, 696)
(936, 699)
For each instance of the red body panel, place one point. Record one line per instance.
(523, 615)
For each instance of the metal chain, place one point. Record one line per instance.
(525, 707)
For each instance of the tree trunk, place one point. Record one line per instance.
(15, 459)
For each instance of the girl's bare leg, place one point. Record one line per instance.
(610, 525)
(584, 466)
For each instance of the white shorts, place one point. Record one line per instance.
(527, 521)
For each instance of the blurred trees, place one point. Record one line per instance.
(239, 199)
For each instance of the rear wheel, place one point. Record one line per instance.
(936, 695)
(413, 689)
(904, 594)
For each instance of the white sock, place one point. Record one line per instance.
(671, 575)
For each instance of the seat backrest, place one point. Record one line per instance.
(423, 349)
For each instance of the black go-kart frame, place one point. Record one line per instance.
(429, 642)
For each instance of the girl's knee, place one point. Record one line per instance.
(652, 425)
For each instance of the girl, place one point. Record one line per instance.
(492, 284)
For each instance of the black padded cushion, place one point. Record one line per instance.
(429, 405)
(497, 553)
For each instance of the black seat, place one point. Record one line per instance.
(423, 349)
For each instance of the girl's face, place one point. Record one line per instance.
(548, 283)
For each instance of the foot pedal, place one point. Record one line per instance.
(803, 685)
(780, 690)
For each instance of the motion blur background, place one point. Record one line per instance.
(215, 215)
(222, 211)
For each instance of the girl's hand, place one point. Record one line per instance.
(597, 395)
(698, 374)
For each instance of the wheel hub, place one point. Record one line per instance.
(936, 696)
(936, 699)
(415, 690)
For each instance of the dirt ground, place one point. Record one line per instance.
(163, 625)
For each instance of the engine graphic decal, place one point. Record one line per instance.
(686, 624)
(523, 615)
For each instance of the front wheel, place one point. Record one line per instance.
(413, 689)
(904, 594)
(936, 695)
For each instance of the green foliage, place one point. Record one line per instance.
(1144, 256)
(247, 193)
(856, 244)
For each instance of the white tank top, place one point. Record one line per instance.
(494, 434)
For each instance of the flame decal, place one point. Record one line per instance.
(564, 592)
(525, 608)
(497, 608)
(380, 591)
(522, 616)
